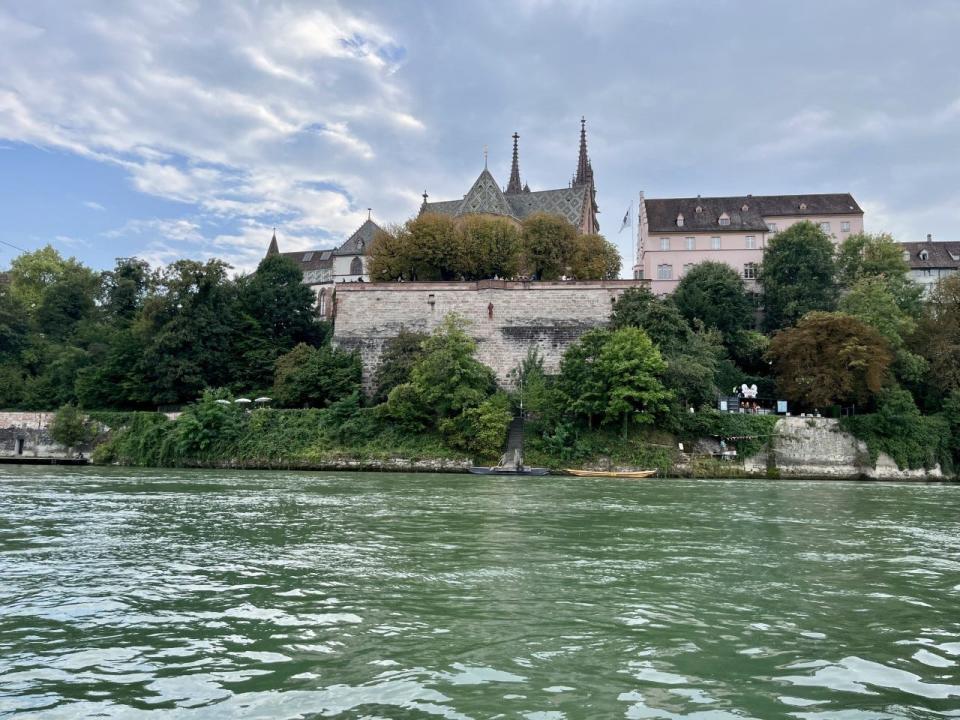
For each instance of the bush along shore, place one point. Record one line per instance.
(834, 330)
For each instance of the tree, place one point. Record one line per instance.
(713, 293)
(67, 301)
(69, 427)
(316, 377)
(447, 377)
(864, 256)
(548, 243)
(594, 258)
(583, 388)
(397, 361)
(125, 289)
(424, 248)
(489, 247)
(938, 334)
(32, 272)
(797, 275)
(830, 358)
(631, 366)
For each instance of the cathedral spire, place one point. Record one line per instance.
(274, 249)
(583, 164)
(514, 185)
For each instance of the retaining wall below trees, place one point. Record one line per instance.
(506, 318)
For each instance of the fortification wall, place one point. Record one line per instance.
(505, 318)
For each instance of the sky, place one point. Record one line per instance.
(192, 128)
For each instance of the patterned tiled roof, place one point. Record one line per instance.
(745, 212)
(486, 197)
(360, 240)
(938, 254)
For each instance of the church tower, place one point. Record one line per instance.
(514, 185)
(584, 177)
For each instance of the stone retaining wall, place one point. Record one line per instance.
(506, 318)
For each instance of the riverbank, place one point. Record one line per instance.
(768, 447)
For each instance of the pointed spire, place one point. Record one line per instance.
(583, 163)
(514, 185)
(274, 249)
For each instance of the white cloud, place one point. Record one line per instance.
(94, 205)
(251, 113)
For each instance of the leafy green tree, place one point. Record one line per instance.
(32, 272)
(713, 293)
(316, 377)
(397, 361)
(282, 306)
(631, 367)
(448, 378)
(798, 275)
(69, 427)
(125, 288)
(878, 257)
(489, 247)
(480, 430)
(582, 386)
(593, 257)
(548, 244)
(938, 336)
(424, 248)
(830, 358)
(67, 301)
(14, 324)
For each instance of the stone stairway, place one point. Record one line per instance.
(514, 441)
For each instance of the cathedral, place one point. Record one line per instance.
(577, 202)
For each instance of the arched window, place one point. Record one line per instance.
(724, 219)
(356, 266)
(679, 219)
(322, 302)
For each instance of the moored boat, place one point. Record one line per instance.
(611, 473)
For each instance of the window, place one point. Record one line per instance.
(680, 220)
(322, 303)
(771, 227)
(691, 243)
(687, 268)
(356, 266)
(751, 242)
(845, 226)
(750, 271)
(715, 243)
(825, 226)
(744, 207)
(307, 256)
(664, 243)
(664, 272)
(926, 273)
(923, 255)
(724, 219)
(699, 208)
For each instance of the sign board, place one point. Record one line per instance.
(781, 407)
(730, 404)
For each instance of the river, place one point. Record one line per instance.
(195, 594)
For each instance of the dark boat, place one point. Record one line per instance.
(515, 466)
(502, 470)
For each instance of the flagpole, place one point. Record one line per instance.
(633, 252)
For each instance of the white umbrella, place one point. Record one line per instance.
(243, 401)
(223, 402)
(262, 400)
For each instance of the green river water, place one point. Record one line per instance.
(202, 594)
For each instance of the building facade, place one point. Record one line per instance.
(674, 234)
(322, 269)
(930, 261)
(577, 202)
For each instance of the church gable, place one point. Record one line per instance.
(566, 202)
(485, 197)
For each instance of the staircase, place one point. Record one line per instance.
(514, 441)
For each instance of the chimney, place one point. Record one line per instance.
(929, 237)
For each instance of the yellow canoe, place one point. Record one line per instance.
(611, 474)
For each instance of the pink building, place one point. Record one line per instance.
(675, 234)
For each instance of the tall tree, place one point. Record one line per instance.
(864, 256)
(830, 358)
(798, 275)
(489, 247)
(713, 293)
(594, 258)
(631, 367)
(399, 356)
(548, 243)
(938, 334)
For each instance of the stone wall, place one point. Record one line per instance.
(817, 447)
(26, 434)
(505, 318)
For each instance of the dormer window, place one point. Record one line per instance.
(724, 219)
(307, 257)
(803, 206)
(679, 219)
(699, 208)
(744, 207)
(924, 255)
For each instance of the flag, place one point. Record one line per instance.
(626, 219)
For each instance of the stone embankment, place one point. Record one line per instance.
(818, 448)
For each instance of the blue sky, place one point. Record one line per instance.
(181, 128)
